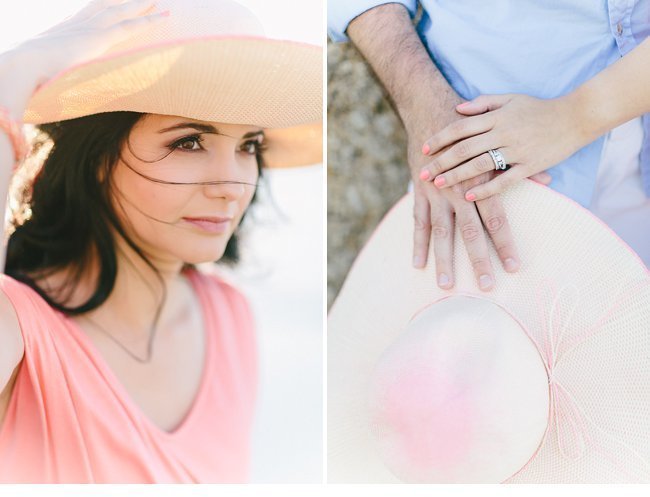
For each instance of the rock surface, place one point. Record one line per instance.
(366, 159)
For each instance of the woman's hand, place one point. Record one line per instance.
(81, 37)
(532, 134)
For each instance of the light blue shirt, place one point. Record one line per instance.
(541, 48)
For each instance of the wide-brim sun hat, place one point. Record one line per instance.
(211, 61)
(544, 379)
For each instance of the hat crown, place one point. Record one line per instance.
(462, 382)
(196, 19)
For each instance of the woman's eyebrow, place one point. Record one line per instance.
(253, 133)
(206, 128)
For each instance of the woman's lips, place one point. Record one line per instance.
(210, 224)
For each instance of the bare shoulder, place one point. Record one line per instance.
(12, 347)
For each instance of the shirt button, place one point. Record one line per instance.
(619, 29)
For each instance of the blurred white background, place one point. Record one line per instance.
(281, 271)
(26, 18)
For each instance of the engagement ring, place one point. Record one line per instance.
(499, 161)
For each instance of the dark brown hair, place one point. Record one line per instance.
(70, 211)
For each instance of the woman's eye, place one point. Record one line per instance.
(252, 147)
(189, 143)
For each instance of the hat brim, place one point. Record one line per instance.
(580, 289)
(274, 84)
(295, 146)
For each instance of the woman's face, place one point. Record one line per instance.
(185, 222)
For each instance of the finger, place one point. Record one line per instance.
(498, 184)
(496, 223)
(482, 104)
(421, 228)
(463, 128)
(121, 12)
(475, 167)
(459, 153)
(442, 233)
(129, 27)
(91, 8)
(472, 233)
(544, 178)
(85, 13)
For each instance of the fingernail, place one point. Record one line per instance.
(510, 264)
(470, 196)
(425, 175)
(425, 149)
(443, 279)
(464, 104)
(165, 13)
(439, 181)
(418, 261)
(485, 281)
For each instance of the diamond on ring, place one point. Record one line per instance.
(498, 159)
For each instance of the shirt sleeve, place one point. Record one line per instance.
(341, 12)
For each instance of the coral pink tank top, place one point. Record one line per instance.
(69, 420)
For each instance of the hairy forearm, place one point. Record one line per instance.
(387, 39)
(615, 95)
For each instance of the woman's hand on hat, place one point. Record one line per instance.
(87, 34)
(532, 135)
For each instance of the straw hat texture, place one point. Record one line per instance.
(211, 61)
(544, 379)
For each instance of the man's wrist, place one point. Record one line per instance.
(401, 62)
(423, 121)
(421, 96)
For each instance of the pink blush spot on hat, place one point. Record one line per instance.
(446, 396)
(423, 420)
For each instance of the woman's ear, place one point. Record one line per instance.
(102, 171)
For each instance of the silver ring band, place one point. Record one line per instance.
(498, 159)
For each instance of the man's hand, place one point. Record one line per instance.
(426, 103)
(435, 214)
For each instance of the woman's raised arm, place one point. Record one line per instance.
(83, 36)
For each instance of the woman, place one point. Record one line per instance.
(121, 361)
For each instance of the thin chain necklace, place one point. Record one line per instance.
(152, 332)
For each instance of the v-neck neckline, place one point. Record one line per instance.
(108, 374)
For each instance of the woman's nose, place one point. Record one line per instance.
(227, 190)
(233, 179)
